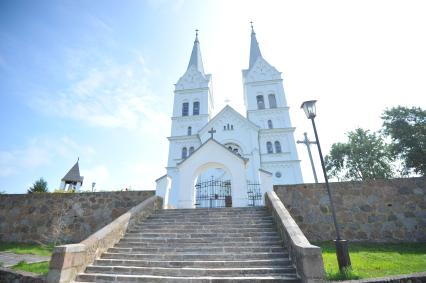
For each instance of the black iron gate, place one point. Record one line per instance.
(254, 194)
(213, 193)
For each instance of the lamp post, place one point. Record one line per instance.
(342, 251)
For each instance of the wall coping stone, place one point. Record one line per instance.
(306, 257)
(69, 260)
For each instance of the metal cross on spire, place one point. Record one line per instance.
(211, 132)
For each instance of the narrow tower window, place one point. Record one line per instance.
(185, 109)
(277, 147)
(191, 150)
(184, 153)
(270, 126)
(272, 101)
(196, 108)
(269, 147)
(189, 130)
(260, 102)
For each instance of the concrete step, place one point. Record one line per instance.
(187, 235)
(190, 271)
(232, 210)
(207, 222)
(209, 217)
(195, 263)
(126, 243)
(198, 230)
(198, 250)
(104, 278)
(192, 257)
(211, 239)
(205, 226)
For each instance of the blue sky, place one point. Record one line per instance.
(94, 79)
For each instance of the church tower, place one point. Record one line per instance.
(266, 106)
(192, 108)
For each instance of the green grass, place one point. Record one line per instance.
(39, 267)
(375, 260)
(21, 248)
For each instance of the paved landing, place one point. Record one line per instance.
(10, 259)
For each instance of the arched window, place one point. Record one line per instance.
(189, 130)
(277, 147)
(191, 150)
(269, 147)
(260, 102)
(185, 109)
(196, 108)
(270, 126)
(184, 153)
(272, 101)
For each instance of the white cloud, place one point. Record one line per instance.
(111, 95)
(39, 152)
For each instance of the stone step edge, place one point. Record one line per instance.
(200, 261)
(205, 245)
(259, 277)
(193, 268)
(284, 254)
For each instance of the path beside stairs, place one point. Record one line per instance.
(197, 245)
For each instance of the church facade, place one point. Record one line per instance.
(228, 159)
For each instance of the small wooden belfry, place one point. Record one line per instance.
(72, 180)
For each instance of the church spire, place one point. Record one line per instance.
(195, 59)
(254, 48)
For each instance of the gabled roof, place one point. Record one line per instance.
(218, 143)
(196, 59)
(73, 174)
(231, 110)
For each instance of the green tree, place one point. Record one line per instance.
(39, 186)
(407, 129)
(364, 157)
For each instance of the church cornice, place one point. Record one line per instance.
(278, 163)
(190, 118)
(190, 90)
(184, 138)
(268, 110)
(266, 132)
(263, 82)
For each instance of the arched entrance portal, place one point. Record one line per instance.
(213, 188)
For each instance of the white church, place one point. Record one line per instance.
(228, 159)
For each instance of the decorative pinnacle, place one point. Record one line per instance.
(252, 29)
(196, 34)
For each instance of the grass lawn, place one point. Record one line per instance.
(375, 260)
(21, 248)
(36, 249)
(39, 267)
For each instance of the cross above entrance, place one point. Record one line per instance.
(211, 132)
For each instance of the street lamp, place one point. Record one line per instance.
(93, 186)
(342, 251)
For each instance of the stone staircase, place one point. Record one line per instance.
(197, 245)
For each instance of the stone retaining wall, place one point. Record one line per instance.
(378, 211)
(9, 275)
(62, 218)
